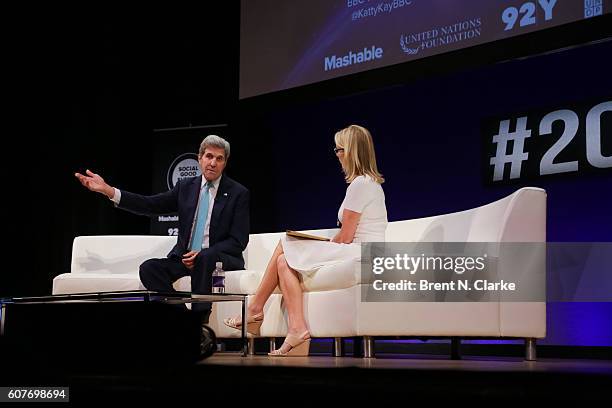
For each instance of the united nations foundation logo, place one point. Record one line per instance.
(443, 36)
(185, 165)
(408, 50)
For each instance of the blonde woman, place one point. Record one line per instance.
(363, 218)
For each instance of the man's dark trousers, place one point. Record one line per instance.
(159, 274)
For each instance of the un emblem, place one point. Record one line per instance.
(406, 48)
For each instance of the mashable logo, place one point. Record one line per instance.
(365, 55)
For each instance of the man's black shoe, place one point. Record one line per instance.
(208, 342)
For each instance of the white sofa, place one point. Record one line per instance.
(332, 298)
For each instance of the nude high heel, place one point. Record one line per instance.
(293, 346)
(253, 323)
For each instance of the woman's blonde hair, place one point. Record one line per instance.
(359, 157)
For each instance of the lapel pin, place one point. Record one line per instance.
(225, 194)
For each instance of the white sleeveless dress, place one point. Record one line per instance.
(363, 195)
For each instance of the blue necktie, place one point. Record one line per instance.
(197, 235)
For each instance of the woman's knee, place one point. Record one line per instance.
(281, 263)
(284, 270)
(279, 247)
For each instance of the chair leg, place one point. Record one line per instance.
(251, 346)
(2, 313)
(368, 347)
(338, 347)
(455, 348)
(357, 346)
(272, 341)
(530, 349)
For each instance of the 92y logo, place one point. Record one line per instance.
(559, 141)
(527, 13)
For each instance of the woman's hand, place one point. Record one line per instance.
(350, 219)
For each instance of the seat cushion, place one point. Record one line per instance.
(245, 281)
(332, 277)
(89, 282)
(67, 283)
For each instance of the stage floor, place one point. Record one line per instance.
(317, 380)
(419, 362)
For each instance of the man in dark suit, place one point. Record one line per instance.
(213, 214)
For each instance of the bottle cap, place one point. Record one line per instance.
(219, 265)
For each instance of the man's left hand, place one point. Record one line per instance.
(189, 259)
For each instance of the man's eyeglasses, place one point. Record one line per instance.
(338, 149)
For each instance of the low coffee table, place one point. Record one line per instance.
(131, 296)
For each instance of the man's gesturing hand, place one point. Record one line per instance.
(95, 183)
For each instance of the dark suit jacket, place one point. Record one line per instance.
(229, 224)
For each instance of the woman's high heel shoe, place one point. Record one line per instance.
(253, 323)
(293, 346)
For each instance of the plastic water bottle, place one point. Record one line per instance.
(218, 279)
